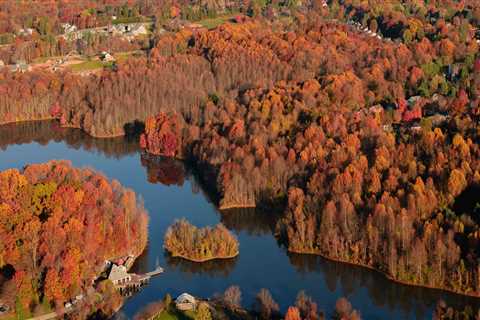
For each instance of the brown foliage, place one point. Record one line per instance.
(200, 244)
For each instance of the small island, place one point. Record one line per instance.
(185, 240)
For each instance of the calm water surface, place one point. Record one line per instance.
(170, 191)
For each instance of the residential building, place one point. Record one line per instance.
(119, 275)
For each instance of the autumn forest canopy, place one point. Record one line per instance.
(357, 120)
(58, 225)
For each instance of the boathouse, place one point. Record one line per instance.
(119, 275)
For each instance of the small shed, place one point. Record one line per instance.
(185, 302)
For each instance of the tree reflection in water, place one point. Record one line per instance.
(382, 291)
(251, 220)
(166, 171)
(43, 132)
(217, 267)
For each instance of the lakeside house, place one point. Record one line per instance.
(185, 302)
(119, 275)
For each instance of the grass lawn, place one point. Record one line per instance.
(175, 315)
(211, 23)
(122, 56)
(89, 65)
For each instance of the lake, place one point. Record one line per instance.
(171, 191)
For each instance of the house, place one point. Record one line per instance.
(194, 26)
(25, 31)
(128, 29)
(138, 30)
(119, 275)
(4, 309)
(68, 28)
(185, 302)
(20, 66)
(387, 128)
(438, 119)
(413, 100)
(107, 57)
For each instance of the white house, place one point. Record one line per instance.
(68, 28)
(185, 302)
(107, 57)
(119, 275)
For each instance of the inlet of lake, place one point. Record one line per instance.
(171, 191)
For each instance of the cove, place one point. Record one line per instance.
(171, 191)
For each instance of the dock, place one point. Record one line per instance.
(137, 281)
(157, 271)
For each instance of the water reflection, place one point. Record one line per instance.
(43, 132)
(383, 292)
(213, 268)
(166, 171)
(172, 190)
(251, 220)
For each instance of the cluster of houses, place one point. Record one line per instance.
(359, 27)
(128, 30)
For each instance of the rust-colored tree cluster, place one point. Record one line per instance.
(58, 225)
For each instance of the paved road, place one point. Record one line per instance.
(47, 316)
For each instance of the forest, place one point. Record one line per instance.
(184, 240)
(228, 305)
(364, 142)
(58, 225)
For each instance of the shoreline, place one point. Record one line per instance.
(3, 123)
(11, 122)
(402, 282)
(388, 277)
(204, 260)
(227, 207)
